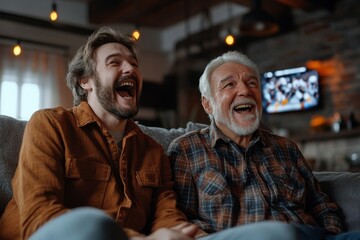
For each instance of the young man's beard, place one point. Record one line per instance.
(106, 99)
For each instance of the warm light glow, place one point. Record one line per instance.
(313, 64)
(136, 34)
(53, 15)
(230, 40)
(17, 50)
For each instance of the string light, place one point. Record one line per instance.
(136, 34)
(229, 39)
(17, 49)
(53, 13)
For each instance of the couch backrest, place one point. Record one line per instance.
(11, 133)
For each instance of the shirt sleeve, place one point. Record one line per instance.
(166, 212)
(322, 208)
(38, 182)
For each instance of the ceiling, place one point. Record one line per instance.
(164, 13)
(160, 14)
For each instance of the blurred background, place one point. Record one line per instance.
(290, 40)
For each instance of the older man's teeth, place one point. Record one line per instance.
(243, 107)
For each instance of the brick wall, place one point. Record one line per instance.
(330, 43)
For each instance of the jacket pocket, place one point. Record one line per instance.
(86, 182)
(87, 170)
(149, 178)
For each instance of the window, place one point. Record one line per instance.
(9, 96)
(19, 100)
(30, 100)
(33, 81)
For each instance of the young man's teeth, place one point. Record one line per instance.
(127, 84)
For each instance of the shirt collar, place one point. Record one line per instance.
(218, 136)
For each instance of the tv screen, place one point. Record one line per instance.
(293, 89)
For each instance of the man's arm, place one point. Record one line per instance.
(166, 213)
(39, 179)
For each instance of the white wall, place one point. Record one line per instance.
(154, 62)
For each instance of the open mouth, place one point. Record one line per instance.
(126, 89)
(243, 108)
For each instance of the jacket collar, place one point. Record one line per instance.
(84, 115)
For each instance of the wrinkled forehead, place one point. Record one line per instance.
(231, 68)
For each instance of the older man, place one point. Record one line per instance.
(236, 173)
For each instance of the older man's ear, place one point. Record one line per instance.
(206, 105)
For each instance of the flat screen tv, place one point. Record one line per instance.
(287, 90)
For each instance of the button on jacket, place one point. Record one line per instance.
(68, 159)
(221, 185)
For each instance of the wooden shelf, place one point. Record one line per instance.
(323, 136)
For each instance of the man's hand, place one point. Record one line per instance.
(183, 231)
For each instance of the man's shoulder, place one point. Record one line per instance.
(51, 113)
(193, 137)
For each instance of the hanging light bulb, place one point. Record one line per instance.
(53, 13)
(17, 49)
(136, 33)
(230, 39)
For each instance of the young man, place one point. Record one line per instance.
(235, 173)
(89, 172)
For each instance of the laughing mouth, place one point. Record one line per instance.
(126, 88)
(243, 108)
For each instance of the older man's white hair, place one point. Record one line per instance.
(231, 56)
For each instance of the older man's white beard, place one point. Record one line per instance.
(239, 130)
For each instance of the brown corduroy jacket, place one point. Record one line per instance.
(68, 160)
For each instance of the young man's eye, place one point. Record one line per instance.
(134, 64)
(114, 63)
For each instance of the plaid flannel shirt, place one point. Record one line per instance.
(221, 185)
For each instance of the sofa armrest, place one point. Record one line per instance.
(343, 188)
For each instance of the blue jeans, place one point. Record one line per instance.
(267, 230)
(308, 232)
(80, 224)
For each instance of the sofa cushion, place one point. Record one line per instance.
(343, 188)
(11, 133)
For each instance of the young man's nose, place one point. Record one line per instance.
(127, 67)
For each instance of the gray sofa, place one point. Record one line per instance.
(342, 187)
